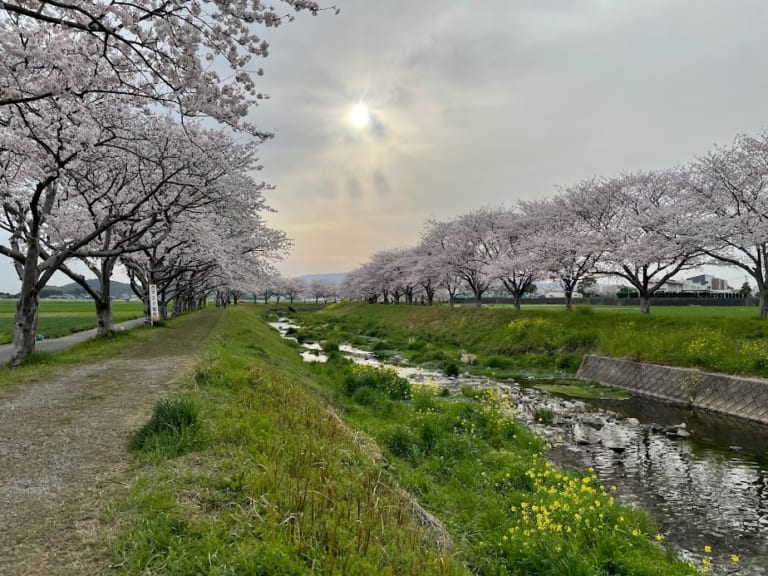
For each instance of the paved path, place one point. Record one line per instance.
(59, 344)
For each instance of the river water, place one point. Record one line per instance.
(706, 489)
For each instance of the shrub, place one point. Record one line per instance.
(330, 346)
(451, 369)
(423, 399)
(502, 362)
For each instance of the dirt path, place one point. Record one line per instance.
(63, 450)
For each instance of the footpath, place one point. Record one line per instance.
(63, 449)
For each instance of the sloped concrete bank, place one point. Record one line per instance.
(734, 395)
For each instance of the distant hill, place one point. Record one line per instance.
(119, 290)
(336, 277)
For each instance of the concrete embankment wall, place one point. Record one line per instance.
(733, 395)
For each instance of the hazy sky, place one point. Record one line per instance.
(487, 102)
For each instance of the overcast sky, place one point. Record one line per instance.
(483, 103)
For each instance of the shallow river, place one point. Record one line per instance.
(706, 482)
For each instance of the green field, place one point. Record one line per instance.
(59, 318)
(744, 312)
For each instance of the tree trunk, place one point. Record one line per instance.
(25, 326)
(517, 301)
(763, 304)
(104, 308)
(568, 300)
(104, 316)
(25, 320)
(645, 304)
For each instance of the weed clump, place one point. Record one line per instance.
(544, 415)
(175, 428)
(386, 381)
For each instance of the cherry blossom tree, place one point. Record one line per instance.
(39, 155)
(294, 288)
(643, 226)
(512, 259)
(323, 289)
(362, 282)
(79, 83)
(138, 183)
(438, 258)
(729, 198)
(565, 247)
(194, 56)
(466, 249)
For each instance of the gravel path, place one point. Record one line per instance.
(63, 450)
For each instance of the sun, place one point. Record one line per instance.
(359, 115)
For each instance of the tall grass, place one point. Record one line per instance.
(175, 428)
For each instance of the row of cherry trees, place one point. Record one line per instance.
(291, 289)
(643, 227)
(124, 141)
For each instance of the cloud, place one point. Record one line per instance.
(381, 183)
(354, 188)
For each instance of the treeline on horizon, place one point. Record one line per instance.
(643, 227)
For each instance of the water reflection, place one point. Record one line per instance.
(710, 489)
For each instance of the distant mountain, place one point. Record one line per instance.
(336, 277)
(119, 290)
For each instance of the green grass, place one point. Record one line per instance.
(175, 428)
(483, 474)
(586, 390)
(280, 485)
(737, 312)
(59, 318)
(546, 340)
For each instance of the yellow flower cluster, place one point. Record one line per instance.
(564, 504)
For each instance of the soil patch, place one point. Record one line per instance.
(63, 450)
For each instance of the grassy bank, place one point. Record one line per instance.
(59, 318)
(508, 343)
(247, 471)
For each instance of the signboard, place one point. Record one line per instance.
(154, 308)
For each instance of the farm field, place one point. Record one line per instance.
(59, 318)
(745, 312)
